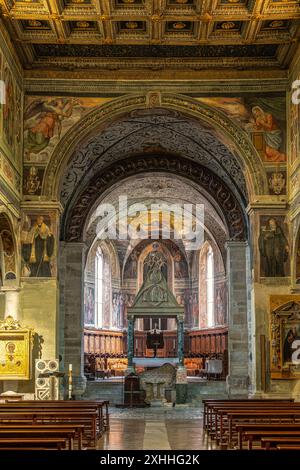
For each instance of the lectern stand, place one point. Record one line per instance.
(53, 383)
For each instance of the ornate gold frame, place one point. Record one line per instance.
(16, 345)
(284, 313)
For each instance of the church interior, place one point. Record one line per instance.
(119, 119)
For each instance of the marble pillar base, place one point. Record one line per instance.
(237, 386)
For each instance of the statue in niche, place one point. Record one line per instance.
(38, 249)
(273, 247)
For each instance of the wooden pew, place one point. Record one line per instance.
(77, 429)
(256, 435)
(218, 417)
(102, 408)
(275, 415)
(38, 443)
(66, 434)
(209, 402)
(257, 427)
(272, 442)
(288, 447)
(215, 413)
(87, 417)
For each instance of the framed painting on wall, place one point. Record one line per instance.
(285, 337)
(15, 350)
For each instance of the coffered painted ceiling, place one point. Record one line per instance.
(154, 34)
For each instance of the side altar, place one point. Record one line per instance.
(156, 300)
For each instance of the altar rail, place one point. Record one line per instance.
(208, 341)
(114, 343)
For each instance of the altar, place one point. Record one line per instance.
(156, 300)
(154, 361)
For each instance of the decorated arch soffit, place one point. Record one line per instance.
(75, 216)
(134, 123)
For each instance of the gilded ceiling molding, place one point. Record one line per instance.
(102, 116)
(84, 85)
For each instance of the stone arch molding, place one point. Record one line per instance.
(75, 216)
(100, 118)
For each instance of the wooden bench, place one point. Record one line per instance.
(102, 407)
(209, 402)
(219, 414)
(272, 442)
(215, 413)
(253, 436)
(77, 429)
(219, 424)
(66, 434)
(277, 415)
(88, 418)
(38, 443)
(256, 428)
(288, 447)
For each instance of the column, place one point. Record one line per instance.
(71, 277)
(130, 344)
(181, 342)
(12, 301)
(238, 272)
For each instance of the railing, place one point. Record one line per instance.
(104, 342)
(200, 342)
(208, 341)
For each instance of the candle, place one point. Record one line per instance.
(70, 381)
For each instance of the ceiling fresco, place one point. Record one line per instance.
(98, 34)
(150, 132)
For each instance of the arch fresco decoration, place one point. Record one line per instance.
(99, 119)
(8, 252)
(74, 217)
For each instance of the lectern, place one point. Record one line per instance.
(52, 376)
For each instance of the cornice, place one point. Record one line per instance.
(195, 87)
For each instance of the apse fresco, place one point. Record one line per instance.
(46, 120)
(89, 305)
(120, 301)
(220, 304)
(263, 118)
(273, 247)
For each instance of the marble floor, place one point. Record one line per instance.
(158, 429)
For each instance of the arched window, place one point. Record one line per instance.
(99, 289)
(210, 287)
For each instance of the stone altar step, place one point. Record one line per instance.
(104, 390)
(196, 391)
(199, 390)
